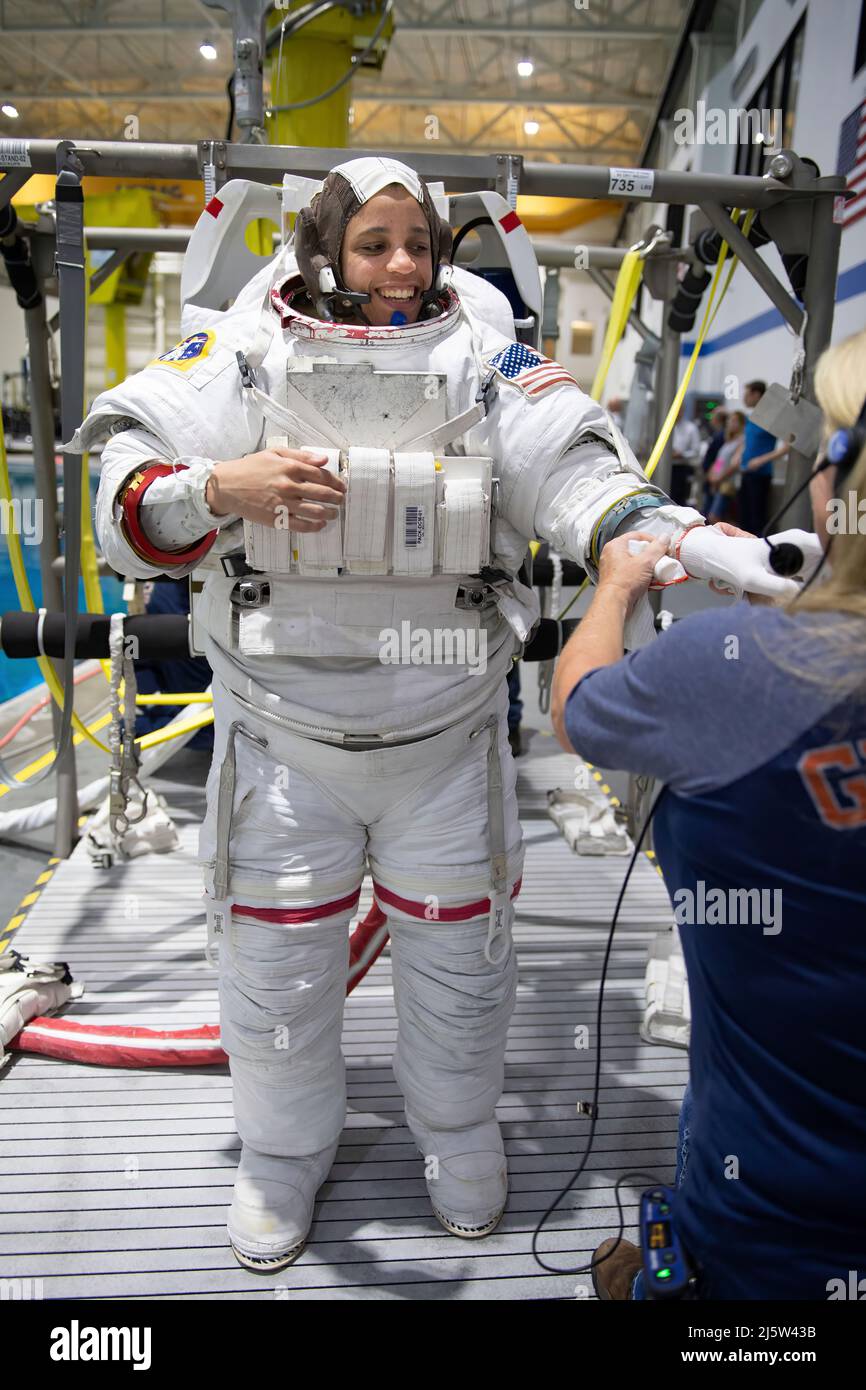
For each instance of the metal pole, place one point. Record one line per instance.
(550, 313)
(819, 297)
(667, 381)
(668, 185)
(50, 562)
(554, 253)
(267, 163)
(72, 293)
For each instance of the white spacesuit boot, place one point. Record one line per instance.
(454, 1008)
(467, 1175)
(272, 1206)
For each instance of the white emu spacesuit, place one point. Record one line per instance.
(458, 445)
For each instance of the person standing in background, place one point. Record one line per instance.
(722, 479)
(717, 439)
(686, 451)
(759, 453)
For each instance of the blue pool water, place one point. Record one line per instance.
(19, 675)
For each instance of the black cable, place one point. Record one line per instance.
(230, 93)
(293, 22)
(819, 468)
(465, 230)
(784, 551)
(593, 1264)
(355, 63)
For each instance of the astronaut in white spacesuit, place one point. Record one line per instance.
(436, 447)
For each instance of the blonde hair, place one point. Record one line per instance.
(831, 654)
(840, 387)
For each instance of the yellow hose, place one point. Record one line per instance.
(32, 768)
(174, 731)
(205, 698)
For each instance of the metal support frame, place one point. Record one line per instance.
(51, 563)
(114, 262)
(506, 173)
(550, 311)
(582, 257)
(758, 268)
(267, 163)
(13, 181)
(667, 383)
(248, 26)
(819, 297)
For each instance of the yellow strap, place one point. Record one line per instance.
(627, 282)
(709, 316)
(25, 596)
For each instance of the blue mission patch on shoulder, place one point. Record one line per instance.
(186, 353)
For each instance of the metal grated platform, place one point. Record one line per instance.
(115, 1184)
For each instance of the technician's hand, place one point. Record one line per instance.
(728, 530)
(627, 563)
(286, 487)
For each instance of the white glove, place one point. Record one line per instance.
(809, 544)
(669, 523)
(742, 564)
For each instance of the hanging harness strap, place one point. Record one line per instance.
(123, 776)
(435, 440)
(498, 941)
(219, 907)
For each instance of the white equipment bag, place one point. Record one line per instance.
(27, 989)
(667, 1016)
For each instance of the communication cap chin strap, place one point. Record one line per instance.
(320, 228)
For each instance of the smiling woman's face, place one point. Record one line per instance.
(386, 253)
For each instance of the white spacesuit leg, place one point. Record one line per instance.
(281, 1010)
(431, 859)
(288, 865)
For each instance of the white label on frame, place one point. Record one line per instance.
(14, 154)
(636, 182)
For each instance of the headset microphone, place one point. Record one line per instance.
(786, 559)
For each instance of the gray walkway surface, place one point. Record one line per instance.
(115, 1184)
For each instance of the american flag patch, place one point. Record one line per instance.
(528, 369)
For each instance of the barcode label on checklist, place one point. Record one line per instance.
(414, 528)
